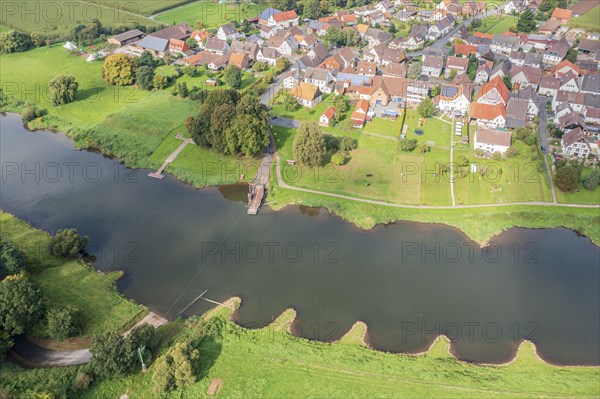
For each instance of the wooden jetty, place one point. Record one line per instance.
(255, 198)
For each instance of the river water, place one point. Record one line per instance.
(408, 281)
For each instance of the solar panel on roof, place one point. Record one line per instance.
(449, 91)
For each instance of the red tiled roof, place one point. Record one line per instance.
(329, 112)
(487, 111)
(464, 49)
(561, 13)
(498, 84)
(285, 16)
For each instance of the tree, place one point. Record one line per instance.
(30, 113)
(526, 22)
(251, 134)
(14, 42)
(571, 55)
(64, 322)
(289, 101)
(312, 9)
(21, 304)
(408, 145)
(63, 89)
(192, 43)
(339, 158)
(282, 64)
(160, 82)
(11, 257)
(392, 29)
(414, 70)
(423, 148)
(426, 109)
(119, 70)
(309, 145)
(250, 105)
(593, 180)
(108, 354)
(232, 76)
(340, 103)
(462, 160)
(567, 178)
(66, 242)
(507, 81)
(181, 90)
(144, 77)
(175, 369)
(452, 74)
(146, 59)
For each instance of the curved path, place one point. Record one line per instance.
(33, 355)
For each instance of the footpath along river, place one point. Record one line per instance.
(408, 281)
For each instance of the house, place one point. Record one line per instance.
(386, 89)
(327, 116)
(394, 70)
(307, 42)
(504, 45)
(494, 92)
(575, 144)
(179, 32)
(483, 73)
(501, 70)
(556, 52)
(307, 94)
(516, 114)
(314, 26)
(549, 86)
(488, 115)
(385, 6)
(263, 17)
(472, 8)
(432, 66)
(200, 37)
(416, 91)
(178, 47)
(376, 37)
(366, 68)
(319, 52)
(514, 6)
(211, 60)
(342, 59)
(240, 60)
(441, 28)
(491, 141)
(126, 37)
(250, 49)
(216, 46)
(457, 64)
(587, 67)
(292, 78)
(157, 46)
(549, 27)
(527, 99)
(524, 76)
(416, 37)
(322, 78)
(267, 31)
(454, 99)
(590, 83)
(284, 19)
(588, 49)
(228, 32)
(285, 46)
(359, 116)
(520, 58)
(568, 82)
(268, 55)
(465, 50)
(561, 15)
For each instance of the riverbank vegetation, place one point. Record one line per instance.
(270, 362)
(66, 283)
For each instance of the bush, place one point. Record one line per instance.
(339, 158)
(348, 144)
(64, 322)
(534, 156)
(497, 156)
(30, 113)
(423, 148)
(82, 381)
(593, 180)
(11, 257)
(512, 151)
(530, 140)
(462, 160)
(567, 178)
(175, 369)
(66, 242)
(408, 145)
(160, 81)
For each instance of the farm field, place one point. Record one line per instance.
(143, 7)
(588, 21)
(497, 24)
(211, 14)
(60, 17)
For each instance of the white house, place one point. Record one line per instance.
(492, 141)
(284, 19)
(228, 32)
(455, 99)
(575, 144)
(322, 78)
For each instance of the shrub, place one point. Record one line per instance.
(82, 381)
(30, 113)
(66, 242)
(593, 180)
(348, 144)
(64, 322)
(567, 178)
(11, 257)
(512, 151)
(462, 160)
(408, 145)
(160, 81)
(497, 156)
(339, 158)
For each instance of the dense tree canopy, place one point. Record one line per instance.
(175, 369)
(14, 42)
(21, 304)
(526, 22)
(309, 145)
(64, 322)
(426, 109)
(63, 89)
(144, 77)
(567, 178)
(66, 242)
(232, 76)
(119, 70)
(11, 257)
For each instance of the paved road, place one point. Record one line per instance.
(38, 356)
(544, 142)
(271, 91)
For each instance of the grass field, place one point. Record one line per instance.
(582, 195)
(71, 282)
(211, 14)
(271, 363)
(60, 17)
(588, 21)
(497, 24)
(200, 79)
(143, 7)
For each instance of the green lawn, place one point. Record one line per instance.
(271, 363)
(588, 21)
(211, 14)
(143, 7)
(60, 17)
(71, 282)
(581, 196)
(199, 80)
(497, 24)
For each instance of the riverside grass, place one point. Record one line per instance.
(272, 363)
(71, 282)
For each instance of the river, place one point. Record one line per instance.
(407, 281)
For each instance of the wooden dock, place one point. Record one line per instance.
(255, 198)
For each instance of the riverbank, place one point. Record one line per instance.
(270, 362)
(71, 282)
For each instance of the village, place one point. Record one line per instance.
(493, 83)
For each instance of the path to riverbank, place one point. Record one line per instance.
(35, 356)
(158, 174)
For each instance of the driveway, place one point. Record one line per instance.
(543, 123)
